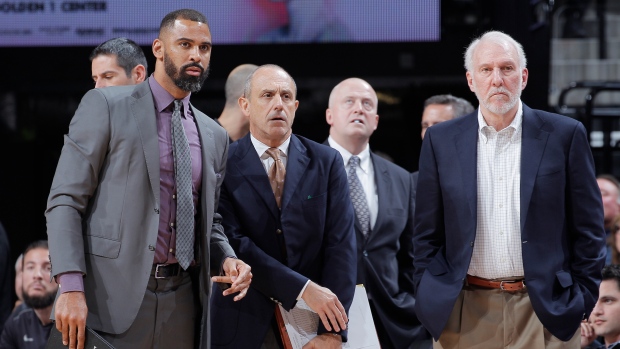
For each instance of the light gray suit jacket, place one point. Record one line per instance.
(103, 208)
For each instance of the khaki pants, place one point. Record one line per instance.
(491, 318)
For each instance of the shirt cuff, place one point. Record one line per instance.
(71, 282)
(303, 289)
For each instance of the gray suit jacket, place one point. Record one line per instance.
(103, 208)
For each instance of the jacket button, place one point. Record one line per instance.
(365, 253)
(157, 210)
(151, 248)
(471, 244)
(279, 231)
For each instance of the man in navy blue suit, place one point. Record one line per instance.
(286, 211)
(509, 242)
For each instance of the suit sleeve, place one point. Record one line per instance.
(340, 259)
(429, 232)
(220, 248)
(75, 181)
(585, 218)
(405, 253)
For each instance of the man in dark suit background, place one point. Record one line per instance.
(286, 211)
(509, 242)
(385, 234)
(112, 213)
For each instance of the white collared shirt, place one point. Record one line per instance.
(267, 160)
(366, 173)
(497, 249)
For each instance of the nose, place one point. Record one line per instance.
(279, 105)
(100, 83)
(597, 309)
(497, 77)
(194, 54)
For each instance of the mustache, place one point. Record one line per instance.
(500, 89)
(194, 64)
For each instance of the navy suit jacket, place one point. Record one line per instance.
(561, 219)
(311, 237)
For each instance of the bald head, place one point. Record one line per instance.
(236, 82)
(351, 83)
(352, 114)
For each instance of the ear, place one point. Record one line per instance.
(376, 122)
(329, 117)
(524, 76)
(296, 104)
(138, 73)
(244, 104)
(158, 48)
(470, 81)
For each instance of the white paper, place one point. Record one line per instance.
(301, 323)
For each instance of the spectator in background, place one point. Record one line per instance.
(232, 119)
(116, 62)
(610, 191)
(6, 278)
(19, 268)
(30, 327)
(605, 318)
(440, 108)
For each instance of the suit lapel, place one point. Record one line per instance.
(207, 144)
(296, 165)
(248, 163)
(466, 143)
(143, 111)
(534, 139)
(384, 192)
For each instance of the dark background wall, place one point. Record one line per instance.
(41, 87)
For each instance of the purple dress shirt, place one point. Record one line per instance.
(166, 237)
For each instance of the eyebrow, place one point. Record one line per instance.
(193, 41)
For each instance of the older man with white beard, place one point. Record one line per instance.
(509, 240)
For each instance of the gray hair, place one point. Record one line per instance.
(247, 89)
(128, 53)
(459, 105)
(495, 36)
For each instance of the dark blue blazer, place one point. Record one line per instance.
(563, 241)
(312, 237)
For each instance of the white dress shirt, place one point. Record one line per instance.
(497, 249)
(366, 174)
(267, 160)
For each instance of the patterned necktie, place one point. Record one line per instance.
(185, 197)
(358, 197)
(276, 174)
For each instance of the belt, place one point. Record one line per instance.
(163, 271)
(511, 286)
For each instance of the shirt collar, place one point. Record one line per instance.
(516, 124)
(262, 147)
(346, 155)
(163, 98)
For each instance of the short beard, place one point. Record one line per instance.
(181, 79)
(39, 302)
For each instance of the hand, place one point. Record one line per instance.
(71, 312)
(238, 274)
(325, 341)
(325, 303)
(587, 334)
